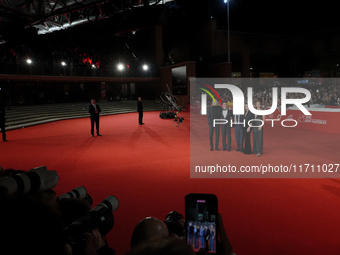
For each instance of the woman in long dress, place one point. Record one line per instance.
(248, 115)
(258, 131)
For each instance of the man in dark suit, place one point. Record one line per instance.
(94, 110)
(214, 112)
(226, 114)
(2, 121)
(140, 111)
(238, 128)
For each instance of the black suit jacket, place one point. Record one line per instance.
(214, 112)
(139, 106)
(229, 117)
(92, 111)
(2, 113)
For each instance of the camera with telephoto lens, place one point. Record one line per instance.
(79, 193)
(99, 217)
(34, 180)
(175, 223)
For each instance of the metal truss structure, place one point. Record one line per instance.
(45, 16)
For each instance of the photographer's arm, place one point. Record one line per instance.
(100, 244)
(224, 246)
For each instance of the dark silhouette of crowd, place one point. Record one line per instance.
(34, 220)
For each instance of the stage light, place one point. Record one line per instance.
(145, 67)
(120, 67)
(228, 29)
(28, 61)
(93, 66)
(63, 63)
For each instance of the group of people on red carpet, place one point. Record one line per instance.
(242, 128)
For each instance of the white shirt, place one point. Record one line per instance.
(225, 112)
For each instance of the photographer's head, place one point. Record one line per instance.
(72, 209)
(28, 226)
(162, 246)
(85, 224)
(148, 229)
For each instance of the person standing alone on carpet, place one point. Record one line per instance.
(2, 121)
(140, 111)
(94, 110)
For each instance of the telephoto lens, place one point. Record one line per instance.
(34, 180)
(42, 179)
(18, 183)
(79, 192)
(99, 217)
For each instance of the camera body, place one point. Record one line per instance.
(175, 223)
(99, 217)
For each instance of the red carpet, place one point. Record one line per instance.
(147, 168)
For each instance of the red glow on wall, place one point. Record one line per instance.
(87, 59)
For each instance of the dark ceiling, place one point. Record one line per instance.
(28, 18)
(21, 20)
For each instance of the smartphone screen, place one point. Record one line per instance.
(200, 219)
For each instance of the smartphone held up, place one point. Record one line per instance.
(200, 218)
